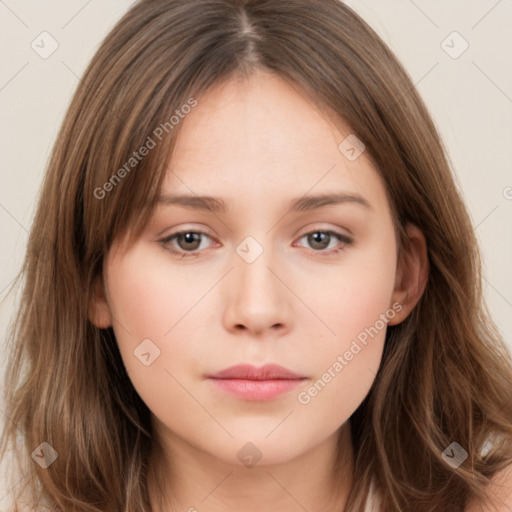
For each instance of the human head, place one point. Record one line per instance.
(253, 291)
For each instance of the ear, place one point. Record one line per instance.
(412, 273)
(99, 311)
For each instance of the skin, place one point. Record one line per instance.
(258, 145)
(498, 494)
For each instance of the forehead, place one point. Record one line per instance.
(264, 138)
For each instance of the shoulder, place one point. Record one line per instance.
(499, 492)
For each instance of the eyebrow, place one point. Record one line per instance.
(305, 203)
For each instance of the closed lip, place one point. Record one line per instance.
(250, 372)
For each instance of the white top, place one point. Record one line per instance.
(371, 502)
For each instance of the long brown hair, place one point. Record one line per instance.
(445, 376)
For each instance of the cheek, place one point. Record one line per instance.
(354, 308)
(151, 311)
(351, 297)
(150, 297)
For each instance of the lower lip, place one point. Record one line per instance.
(256, 389)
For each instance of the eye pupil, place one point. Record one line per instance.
(189, 238)
(314, 238)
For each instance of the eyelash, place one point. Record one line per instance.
(322, 253)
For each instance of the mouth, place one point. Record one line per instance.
(252, 383)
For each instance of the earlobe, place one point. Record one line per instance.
(99, 311)
(412, 273)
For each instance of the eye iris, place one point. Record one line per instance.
(189, 238)
(314, 238)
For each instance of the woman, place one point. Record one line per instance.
(261, 369)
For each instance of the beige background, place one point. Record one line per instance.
(470, 98)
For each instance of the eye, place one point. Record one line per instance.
(188, 242)
(321, 239)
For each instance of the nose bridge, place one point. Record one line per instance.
(258, 297)
(255, 259)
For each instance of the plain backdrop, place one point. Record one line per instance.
(465, 79)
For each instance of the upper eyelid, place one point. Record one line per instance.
(343, 239)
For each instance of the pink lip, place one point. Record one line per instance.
(253, 383)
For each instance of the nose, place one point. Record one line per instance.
(257, 297)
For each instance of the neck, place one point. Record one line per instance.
(193, 480)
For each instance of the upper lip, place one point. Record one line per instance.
(250, 372)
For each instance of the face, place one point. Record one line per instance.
(310, 287)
